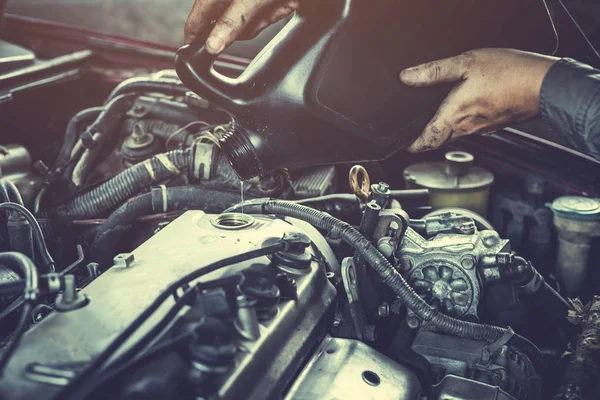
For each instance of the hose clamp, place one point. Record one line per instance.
(204, 161)
(160, 199)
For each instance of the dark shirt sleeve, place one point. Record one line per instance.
(570, 101)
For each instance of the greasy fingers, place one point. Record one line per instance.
(234, 19)
(441, 71)
(232, 23)
(440, 129)
(201, 15)
(276, 15)
(495, 88)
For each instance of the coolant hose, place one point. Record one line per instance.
(9, 192)
(159, 200)
(130, 182)
(98, 133)
(144, 85)
(72, 130)
(380, 264)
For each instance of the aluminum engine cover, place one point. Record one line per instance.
(66, 340)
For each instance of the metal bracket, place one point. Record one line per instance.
(392, 226)
(357, 312)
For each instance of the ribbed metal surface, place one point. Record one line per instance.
(314, 182)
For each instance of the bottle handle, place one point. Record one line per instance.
(195, 67)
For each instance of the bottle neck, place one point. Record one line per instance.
(241, 154)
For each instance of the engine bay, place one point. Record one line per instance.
(135, 264)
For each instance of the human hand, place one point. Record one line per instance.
(235, 19)
(494, 88)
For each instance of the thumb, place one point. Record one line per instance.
(442, 71)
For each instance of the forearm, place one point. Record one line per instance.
(570, 101)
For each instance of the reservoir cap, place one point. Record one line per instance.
(577, 207)
(457, 173)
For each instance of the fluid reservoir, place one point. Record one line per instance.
(577, 222)
(453, 183)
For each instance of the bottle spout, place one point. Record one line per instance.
(241, 153)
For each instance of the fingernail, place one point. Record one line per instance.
(409, 75)
(215, 45)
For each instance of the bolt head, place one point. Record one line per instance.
(413, 322)
(468, 262)
(385, 246)
(491, 239)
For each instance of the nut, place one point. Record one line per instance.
(406, 264)
(124, 260)
(383, 310)
(386, 246)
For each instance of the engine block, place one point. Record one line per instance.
(51, 353)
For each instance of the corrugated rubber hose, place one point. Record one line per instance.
(159, 200)
(130, 182)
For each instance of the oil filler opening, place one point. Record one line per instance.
(233, 221)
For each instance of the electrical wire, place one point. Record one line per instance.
(184, 129)
(106, 376)
(38, 236)
(71, 391)
(141, 344)
(133, 353)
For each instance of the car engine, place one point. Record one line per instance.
(135, 264)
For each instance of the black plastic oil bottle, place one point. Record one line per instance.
(326, 89)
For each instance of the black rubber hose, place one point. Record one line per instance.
(388, 274)
(72, 131)
(71, 391)
(410, 194)
(100, 132)
(160, 200)
(341, 197)
(9, 192)
(40, 243)
(132, 181)
(168, 86)
(113, 112)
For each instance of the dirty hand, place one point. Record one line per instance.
(494, 88)
(235, 19)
